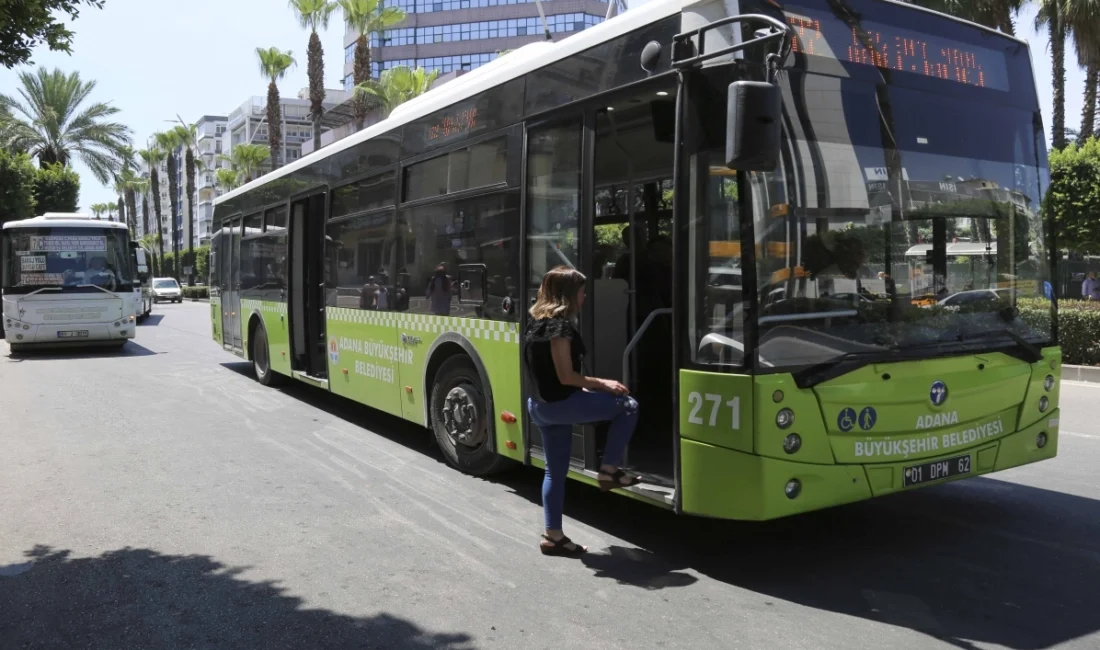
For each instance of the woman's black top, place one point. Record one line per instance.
(540, 361)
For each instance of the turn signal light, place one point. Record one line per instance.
(409, 390)
(506, 416)
(344, 370)
(509, 444)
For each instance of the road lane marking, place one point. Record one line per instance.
(1080, 435)
(1082, 384)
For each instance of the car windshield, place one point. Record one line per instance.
(70, 259)
(929, 243)
(165, 284)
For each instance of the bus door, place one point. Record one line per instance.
(307, 286)
(552, 208)
(629, 234)
(231, 293)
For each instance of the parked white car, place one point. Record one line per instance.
(167, 289)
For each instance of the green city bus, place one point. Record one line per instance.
(775, 162)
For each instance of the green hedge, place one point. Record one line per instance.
(1078, 327)
(196, 292)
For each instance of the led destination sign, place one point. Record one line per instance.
(821, 34)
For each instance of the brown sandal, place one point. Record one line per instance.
(616, 480)
(560, 547)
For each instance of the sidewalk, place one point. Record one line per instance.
(1081, 373)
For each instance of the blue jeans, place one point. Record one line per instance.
(556, 419)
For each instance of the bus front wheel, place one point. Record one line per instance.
(460, 418)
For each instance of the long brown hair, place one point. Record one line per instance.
(558, 293)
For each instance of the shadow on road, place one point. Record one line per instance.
(152, 320)
(131, 349)
(983, 561)
(139, 598)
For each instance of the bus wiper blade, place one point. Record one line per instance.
(41, 290)
(811, 376)
(1032, 354)
(95, 286)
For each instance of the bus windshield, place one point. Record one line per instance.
(929, 245)
(65, 258)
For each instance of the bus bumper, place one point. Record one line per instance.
(25, 333)
(730, 484)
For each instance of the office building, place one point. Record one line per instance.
(460, 35)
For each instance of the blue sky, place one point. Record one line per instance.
(154, 59)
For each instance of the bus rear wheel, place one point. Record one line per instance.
(261, 358)
(460, 419)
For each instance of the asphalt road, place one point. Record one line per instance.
(161, 498)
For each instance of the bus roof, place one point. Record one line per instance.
(64, 220)
(522, 61)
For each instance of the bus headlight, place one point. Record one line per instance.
(784, 418)
(1048, 383)
(1044, 403)
(792, 443)
(793, 488)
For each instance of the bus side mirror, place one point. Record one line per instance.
(753, 116)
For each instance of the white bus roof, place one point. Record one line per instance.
(522, 61)
(64, 220)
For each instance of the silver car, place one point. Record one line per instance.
(167, 289)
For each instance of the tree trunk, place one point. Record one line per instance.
(1088, 113)
(121, 210)
(173, 200)
(361, 74)
(131, 212)
(190, 162)
(145, 213)
(316, 86)
(274, 124)
(154, 185)
(1058, 60)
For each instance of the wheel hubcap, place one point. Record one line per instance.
(462, 417)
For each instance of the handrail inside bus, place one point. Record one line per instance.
(638, 337)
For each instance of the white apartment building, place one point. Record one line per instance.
(247, 124)
(210, 136)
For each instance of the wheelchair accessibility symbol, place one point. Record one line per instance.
(846, 420)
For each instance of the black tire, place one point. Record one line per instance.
(17, 348)
(261, 358)
(471, 448)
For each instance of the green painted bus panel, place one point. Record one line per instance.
(380, 355)
(1023, 447)
(717, 409)
(216, 319)
(1051, 365)
(896, 398)
(277, 325)
(730, 484)
(807, 423)
(366, 361)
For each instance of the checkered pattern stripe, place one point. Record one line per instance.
(264, 306)
(473, 329)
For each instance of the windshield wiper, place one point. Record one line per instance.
(1032, 353)
(811, 376)
(95, 286)
(41, 290)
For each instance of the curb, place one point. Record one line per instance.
(1089, 374)
(208, 300)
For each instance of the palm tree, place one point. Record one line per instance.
(98, 209)
(313, 14)
(54, 122)
(153, 157)
(227, 179)
(246, 160)
(111, 207)
(170, 142)
(398, 85)
(367, 17)
(273, 64)
(188, 136)
(124, 185)
(141, 188)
